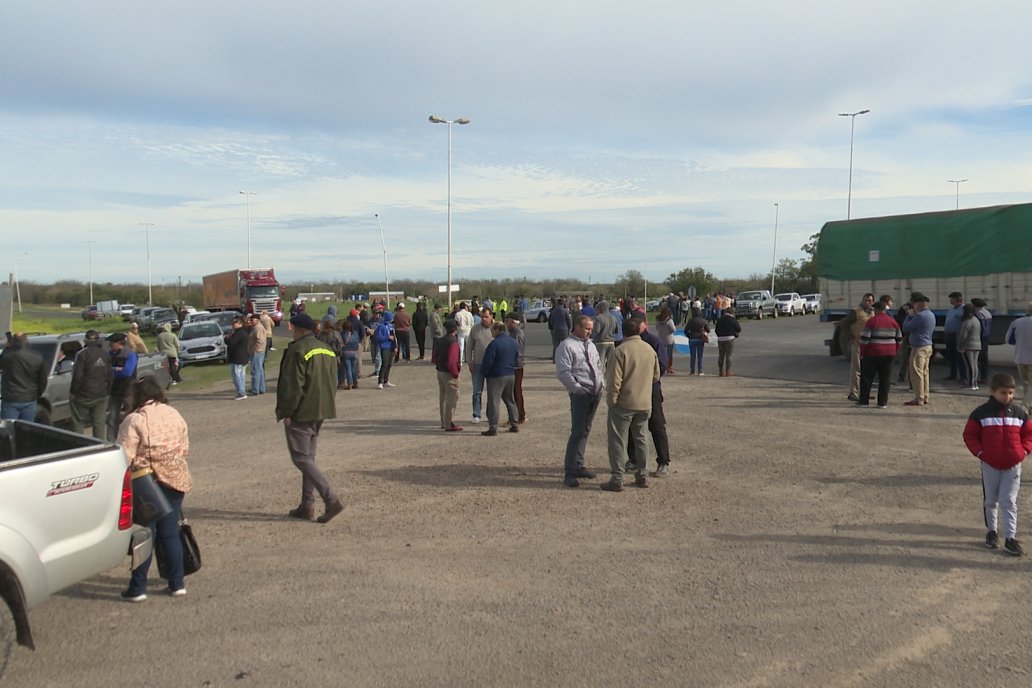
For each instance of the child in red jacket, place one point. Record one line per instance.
(999, 434)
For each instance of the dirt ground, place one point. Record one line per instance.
(797, 541)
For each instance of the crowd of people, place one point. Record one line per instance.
(876, 339)
(600, 351)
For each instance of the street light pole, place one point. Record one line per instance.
(150, 294)
(89, 245)
(247, 196)
(436, 119)
(852, 127)
(17, 282)
(774, 260)
(386, 282)
(958, 182)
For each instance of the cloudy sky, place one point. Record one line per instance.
(605, 135)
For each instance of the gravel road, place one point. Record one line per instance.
(798, 541)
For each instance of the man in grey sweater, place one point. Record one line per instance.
(577, 367)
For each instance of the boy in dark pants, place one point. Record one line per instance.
(999, 434)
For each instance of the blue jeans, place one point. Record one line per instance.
(695, 347)
(582, 413)
(478, 391)
(350, 370)
(18, 410)
(404, 345)
(165, 530)
(958, 368)
(237, 373)
(258, 373)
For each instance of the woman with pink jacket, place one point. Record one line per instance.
(155, 436)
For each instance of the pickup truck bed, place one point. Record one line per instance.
(65, 515)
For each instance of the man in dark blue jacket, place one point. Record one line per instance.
(499, 370)
(123, 366)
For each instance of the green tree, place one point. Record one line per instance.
(700, 278)
(631, 283)
(786, 275)
(809, 268)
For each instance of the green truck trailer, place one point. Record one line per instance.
(980, 252)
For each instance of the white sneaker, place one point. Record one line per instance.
(178, 593)
(380, 385)
(476, 419)
(391, 384)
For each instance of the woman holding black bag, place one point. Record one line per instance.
(154, 437)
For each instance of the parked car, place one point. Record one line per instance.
(201, 341)
(195, 316)
(790, 303)
(653, 304)
(143, 315)
(537, 311)
(223, 318)
(91, 313)
(126, 310)
(158, 318)
(755, 304)
(812, 303)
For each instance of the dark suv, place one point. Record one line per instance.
(158, 319)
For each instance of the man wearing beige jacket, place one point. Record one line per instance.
(630, 373)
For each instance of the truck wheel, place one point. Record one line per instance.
(759, 314)
(8, 636)
(774, 313)
(542, 318)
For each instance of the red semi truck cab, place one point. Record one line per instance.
(259, 291)
(249, 291)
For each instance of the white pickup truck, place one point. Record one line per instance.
(65, 515)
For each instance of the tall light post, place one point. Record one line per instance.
(247, 196)
(774, 260)
(150, 294)
(436, 119)
(958, 182)
(89, 245)
(386, 282)
(17, 283)
(852, 128)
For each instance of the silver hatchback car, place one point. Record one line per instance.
(201, 341)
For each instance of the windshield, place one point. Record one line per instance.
(750, 296)
(783, 297)
(199, 330)
(270, 292)
(164, 313)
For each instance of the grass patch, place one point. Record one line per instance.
(195, 377)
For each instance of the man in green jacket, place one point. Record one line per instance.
(304, 399)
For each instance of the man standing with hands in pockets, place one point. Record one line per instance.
(577, 367)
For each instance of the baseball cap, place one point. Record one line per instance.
(304, 321)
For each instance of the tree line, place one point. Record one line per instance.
(789, 275)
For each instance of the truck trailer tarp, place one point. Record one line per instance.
(978, 241)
